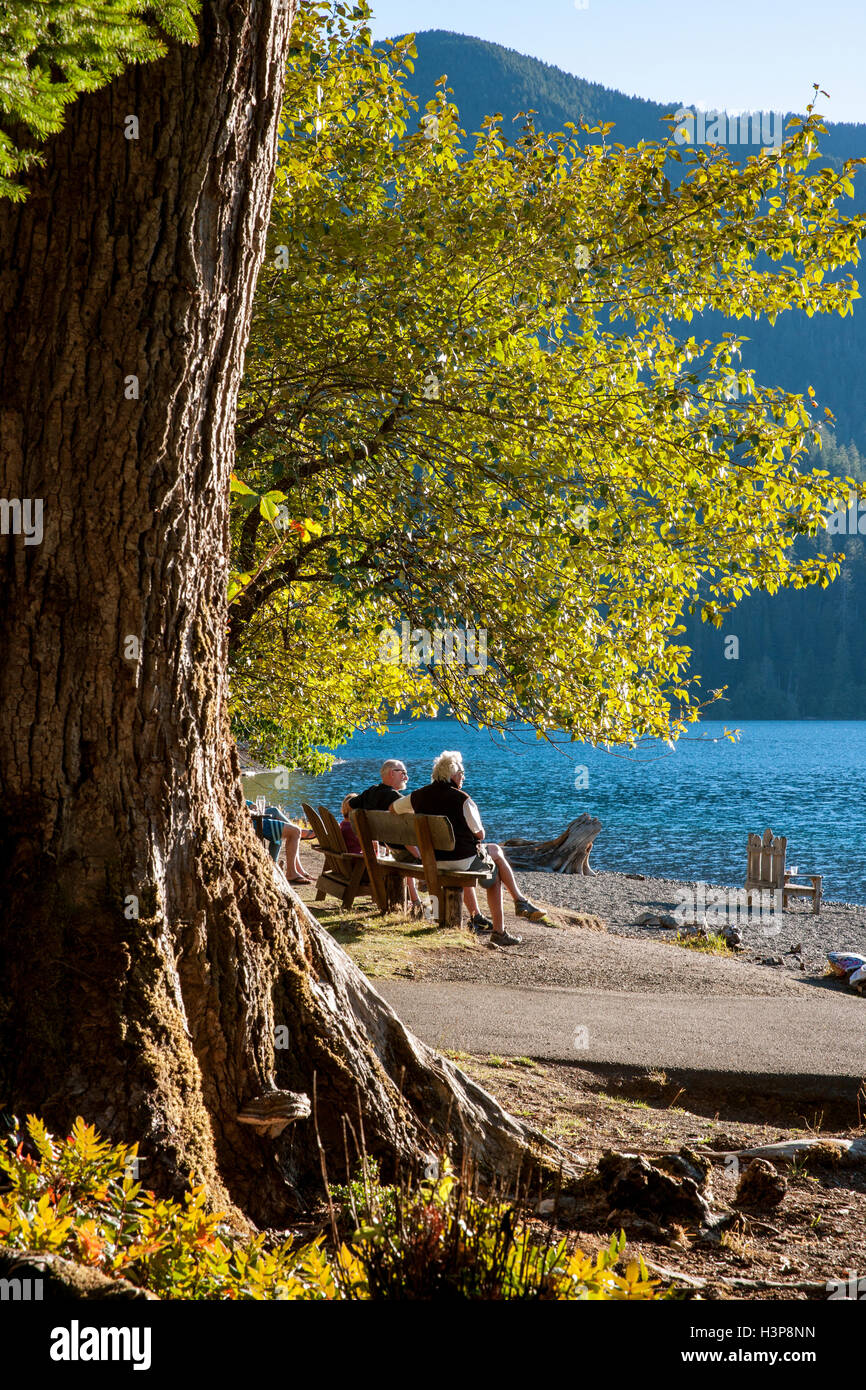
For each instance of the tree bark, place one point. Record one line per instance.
(568, 854)
(148, 952)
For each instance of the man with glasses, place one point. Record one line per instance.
(394, 777)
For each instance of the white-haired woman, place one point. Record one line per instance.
(445, 797)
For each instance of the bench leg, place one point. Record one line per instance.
(395, 893)
(451, 913)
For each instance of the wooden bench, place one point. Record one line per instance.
(429, 833)
(766, 872)
(344, 875)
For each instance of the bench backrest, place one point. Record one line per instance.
(766, 860)
(403, 830)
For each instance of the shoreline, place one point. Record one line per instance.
(620, 900)
(568, 953)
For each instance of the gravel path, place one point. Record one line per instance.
(576, 957)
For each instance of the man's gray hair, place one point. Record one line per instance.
(446, 766)
(388, 765)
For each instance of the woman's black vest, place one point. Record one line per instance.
(444, 799)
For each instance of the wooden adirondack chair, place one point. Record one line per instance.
(344, 875)
(429, 833)
(766, 872)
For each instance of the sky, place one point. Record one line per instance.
(734, 55)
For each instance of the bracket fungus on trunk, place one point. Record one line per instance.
(274, 1110)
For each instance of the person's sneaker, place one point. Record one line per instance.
(480, 924)
(524, 908)
(504, 938)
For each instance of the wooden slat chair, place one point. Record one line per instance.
(343, 875)
(429, 833)
(766, 872)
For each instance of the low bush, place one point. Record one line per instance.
(441, 1240)
(75, 1197)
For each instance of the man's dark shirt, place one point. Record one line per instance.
(375, 798)
(378, 799)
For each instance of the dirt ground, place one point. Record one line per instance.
(816, 1234)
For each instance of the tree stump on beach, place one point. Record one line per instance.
(569, 854)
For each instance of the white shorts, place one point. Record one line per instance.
(478, 861)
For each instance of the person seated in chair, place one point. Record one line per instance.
(350, 839)
(444, 797)
(282, 835)
(394, 777)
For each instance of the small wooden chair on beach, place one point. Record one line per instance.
(766, 872)
(344, 875)
(429, 833)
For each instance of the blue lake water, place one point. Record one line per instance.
(682, 814)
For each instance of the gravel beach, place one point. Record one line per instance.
(620, 901)
(625, 957)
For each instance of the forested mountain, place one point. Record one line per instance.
(823, 352)
(800, 652)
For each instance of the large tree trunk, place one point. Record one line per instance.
(148, 954)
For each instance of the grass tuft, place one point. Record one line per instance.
(712, 945)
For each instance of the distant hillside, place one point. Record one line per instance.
(487, 77)
(826, 353)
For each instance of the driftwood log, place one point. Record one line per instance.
(569, 854)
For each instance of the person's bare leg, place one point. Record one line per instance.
(291, 841)
(470, 901)
(494, 904)
(410, 881)
(506, 873)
